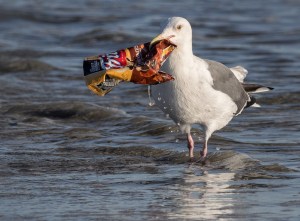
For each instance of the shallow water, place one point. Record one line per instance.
(69, 155)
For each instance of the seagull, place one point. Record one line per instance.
(204, 92)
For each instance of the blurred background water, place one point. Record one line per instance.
(67, 154)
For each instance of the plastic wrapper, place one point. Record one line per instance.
(139, 64)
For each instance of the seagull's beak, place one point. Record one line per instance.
(155, 40)
(159, 38)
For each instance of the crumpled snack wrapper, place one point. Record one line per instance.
(139, 64)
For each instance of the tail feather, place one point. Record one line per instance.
(255, 105)
(251, 102)
(256, 88)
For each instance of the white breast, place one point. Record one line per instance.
(190, 98)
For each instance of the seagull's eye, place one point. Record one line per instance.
(178, 27)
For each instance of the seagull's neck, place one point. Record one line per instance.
(184, 51)
(181, 57)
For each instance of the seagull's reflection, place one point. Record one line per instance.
(204, 195)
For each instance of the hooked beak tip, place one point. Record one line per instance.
(159, 38)
(156, 40)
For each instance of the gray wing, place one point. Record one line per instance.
(225, 81)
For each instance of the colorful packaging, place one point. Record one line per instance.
(139, 64)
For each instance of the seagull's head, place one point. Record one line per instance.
(178, 30)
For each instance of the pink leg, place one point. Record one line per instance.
(203, 153)
(190, 145)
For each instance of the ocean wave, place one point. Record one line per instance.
(23, 65)
(76, 111)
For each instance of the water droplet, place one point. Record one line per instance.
(159, 98)
(218, 148)
(178, 124)
(165, 108)
(151, 101)
(177, 140)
